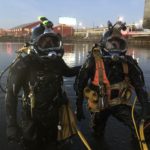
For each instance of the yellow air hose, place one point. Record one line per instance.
(140, 134)
(72, 122)
(134, 123)
(83, 139)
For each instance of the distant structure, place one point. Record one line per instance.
(146, 19)
(25, 30)
(64, 30)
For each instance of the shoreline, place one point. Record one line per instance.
(135, 41)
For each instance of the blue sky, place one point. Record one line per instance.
(89, 12)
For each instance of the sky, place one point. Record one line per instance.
(91, 13)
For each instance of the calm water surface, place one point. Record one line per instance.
(117, 135)
(76, 54)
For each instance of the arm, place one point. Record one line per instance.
(84, 75)
(69, 71)
(86, 72)
(14, 82)
(137, 80)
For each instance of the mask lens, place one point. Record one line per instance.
(115, 43)
(46, 42)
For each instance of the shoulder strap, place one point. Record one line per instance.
(100, 67)
(126, 71)
(98, 64)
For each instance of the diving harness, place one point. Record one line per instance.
(97, 101)
(100, 98)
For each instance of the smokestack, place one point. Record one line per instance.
(146, 19)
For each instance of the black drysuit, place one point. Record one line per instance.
(44, 76)
(115, 74)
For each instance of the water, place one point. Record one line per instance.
(76, 54)
(116, 133)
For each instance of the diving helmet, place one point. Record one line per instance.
(49, 44)
(113, 43)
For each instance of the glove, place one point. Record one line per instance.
(146, 111)
(13, 134)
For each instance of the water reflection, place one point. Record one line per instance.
(134, 56)
(9, 48)
(143, 57)
(75, 54)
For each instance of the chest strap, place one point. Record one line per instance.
(100, 78)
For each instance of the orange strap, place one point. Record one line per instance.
(100, 77)
(100, 74)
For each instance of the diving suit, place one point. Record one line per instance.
(39, 75)
(107, 80)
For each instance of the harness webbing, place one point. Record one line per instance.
(100, 77)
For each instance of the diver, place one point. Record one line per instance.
(39, 29)
(38, 73)
(48, 26)
(107, 81)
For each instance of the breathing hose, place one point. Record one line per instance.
(142, 136)
(83, 139)
(140, 133)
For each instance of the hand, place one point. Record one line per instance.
(13, 134)
(79, 113)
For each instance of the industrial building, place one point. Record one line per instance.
(25, 30)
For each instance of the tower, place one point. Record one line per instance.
(146, 19)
